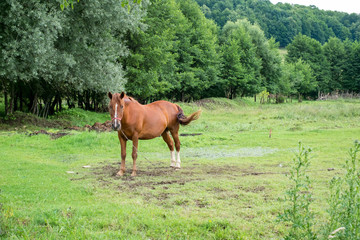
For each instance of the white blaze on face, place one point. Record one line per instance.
(116, 124)
(115, 116)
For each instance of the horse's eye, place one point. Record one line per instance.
(121, 106)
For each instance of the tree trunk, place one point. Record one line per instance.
(6, 101)
(35, 106)
(87, 100)
(80, 101)
(21, 100)
(12, 98)
(52, 105)
(60, 104)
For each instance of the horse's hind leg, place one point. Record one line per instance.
(175, 135)
(170, 144)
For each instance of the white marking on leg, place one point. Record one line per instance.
(178, 162)
(173, 160)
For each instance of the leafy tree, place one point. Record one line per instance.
(311, 52)
(152, 63)
(197, 56)
(335, 54)
(298, 78)
(176, 56)
(44, 60)
(240, 66)
(267, 52)
(351, 74)
(266, 59)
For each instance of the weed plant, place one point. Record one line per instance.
(344, 200)
(298, 212)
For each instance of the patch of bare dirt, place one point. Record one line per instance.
(52, 135)
(99, 127)
(256, 189)
(190, 134)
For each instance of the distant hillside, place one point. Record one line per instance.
(284, 21)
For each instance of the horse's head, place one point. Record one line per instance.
(116, 109)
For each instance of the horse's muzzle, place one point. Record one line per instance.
(116, 126)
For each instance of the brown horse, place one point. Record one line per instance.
(134, 121)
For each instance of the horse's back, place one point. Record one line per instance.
(167, 109)
(163, 106)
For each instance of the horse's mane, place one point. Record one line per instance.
(128, 98)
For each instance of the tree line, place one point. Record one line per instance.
(158, 49)
(284, 21)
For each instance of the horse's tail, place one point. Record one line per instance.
(184, 120)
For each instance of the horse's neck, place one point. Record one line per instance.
(131, 103)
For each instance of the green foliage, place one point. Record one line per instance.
(298, 78)
(335, 54)
(344, 201)
(176, 56)
(310, 51)
(299, 198)
(80, 117)
(351, 68)
(263, 96)
(240, 66)
(48, 55)
(67, 3)
(284, 21)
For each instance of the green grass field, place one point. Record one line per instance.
(230, 186)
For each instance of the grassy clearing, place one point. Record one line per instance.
(229, 186)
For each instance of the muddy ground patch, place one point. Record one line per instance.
(195, 185)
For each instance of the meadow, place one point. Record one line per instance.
(231, 184)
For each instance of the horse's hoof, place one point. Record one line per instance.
(120, 173)
(133, 174)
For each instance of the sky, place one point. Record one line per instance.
(349, 6)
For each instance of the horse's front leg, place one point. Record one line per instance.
(123, 154)
(135, 141)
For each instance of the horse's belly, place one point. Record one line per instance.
(150, 135)
(152, 131)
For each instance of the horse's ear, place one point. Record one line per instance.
(110, 95)
(122, 95)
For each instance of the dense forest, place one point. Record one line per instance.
(284, 21)
(180, 50)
